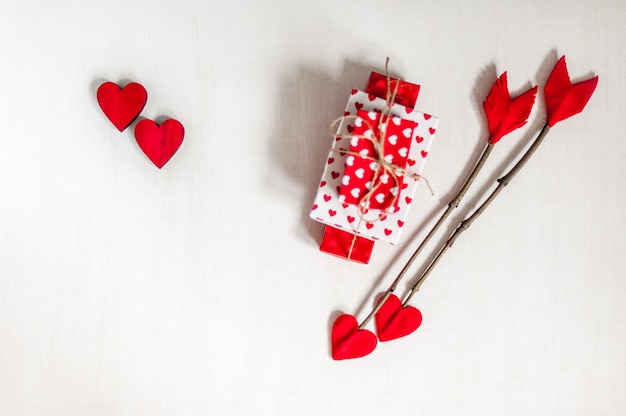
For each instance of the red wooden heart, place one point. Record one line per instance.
(394, 321)
(159, 143)
(348, 341)
(121, 105)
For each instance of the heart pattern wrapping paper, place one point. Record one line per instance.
(328, 206)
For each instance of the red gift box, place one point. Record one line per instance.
(346, 245)
(406, 93)
(342, 243)
(374, 180)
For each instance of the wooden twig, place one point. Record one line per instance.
(454, 203)
(465, 224)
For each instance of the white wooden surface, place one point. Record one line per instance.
(199, 289)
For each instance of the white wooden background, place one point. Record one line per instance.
(199, 289)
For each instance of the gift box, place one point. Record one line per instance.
(374, 173)
(406, 93)
(346, 245)
(348, 233)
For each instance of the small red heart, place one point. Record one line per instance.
(404, 184)
(371, 97)
(332, 212)
(354, 91)
(410, 162)
(358, 105)
(121, 105)
(314, 207)
(327, 197)
(350, 129)
(331, 160)
(419, 139)
(431, 130)
(159, 143)
(408, 110)
(427, 116)
(334, 174)
(322, 184)
(345, 206)
(400, 223)
(346, 113)
(348, 341)
(424, 153)
(350, 219)
(408, 200)
(387, 231)
(369, 225)
(394, 321)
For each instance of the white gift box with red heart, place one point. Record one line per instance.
(328, 207)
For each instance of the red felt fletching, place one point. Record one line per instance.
(564, 99)
(505, 114)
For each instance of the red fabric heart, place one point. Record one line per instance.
(159, 143)
(394, 321)
(348, 341)
(121, 105)
(564, 99)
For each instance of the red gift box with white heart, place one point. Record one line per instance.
(337, 204)
(369, 181)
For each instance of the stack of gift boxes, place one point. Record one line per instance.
(373, 168)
